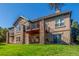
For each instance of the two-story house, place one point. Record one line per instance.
(55, 28)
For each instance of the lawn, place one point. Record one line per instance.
(38, 50)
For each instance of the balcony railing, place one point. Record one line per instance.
(32, 26)
(35, 26)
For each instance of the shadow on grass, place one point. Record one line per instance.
(1, 44)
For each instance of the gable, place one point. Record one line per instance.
(21, 20)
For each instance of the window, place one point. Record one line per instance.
(59, 22)
(11, 31)
(34, 25)
(18, 28)
(57, 38)
(27, 27)
(17, 38)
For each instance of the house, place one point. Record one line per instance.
(54, 28)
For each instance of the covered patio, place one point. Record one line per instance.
(34, 36)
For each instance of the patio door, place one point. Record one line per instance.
(57, 38)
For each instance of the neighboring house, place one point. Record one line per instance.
(55, 28)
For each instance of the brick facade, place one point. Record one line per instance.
(42, 32)
(39, 31)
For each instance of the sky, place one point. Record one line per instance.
(10, 12)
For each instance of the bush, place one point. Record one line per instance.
(78, 38)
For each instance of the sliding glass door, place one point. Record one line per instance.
(57, 38)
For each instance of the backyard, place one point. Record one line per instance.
(38, 50)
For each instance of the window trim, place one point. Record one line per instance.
(59, 19)
(18, 38)
(18, 28)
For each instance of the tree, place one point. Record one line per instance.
(3, 34)
(75, 25)
(75, 31)
(56, 5)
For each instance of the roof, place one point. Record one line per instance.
(43, 18)
(19, 18)
(52, 15)
(11, 28)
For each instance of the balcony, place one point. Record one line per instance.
(11, 32)
(32, 27)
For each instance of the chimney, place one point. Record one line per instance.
(57, 8)
(57, 11)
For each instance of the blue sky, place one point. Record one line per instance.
(10, 12)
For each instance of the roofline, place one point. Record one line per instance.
(18, 20)
(62, 13)
(44, 17)
(11, 28)
(53, 15)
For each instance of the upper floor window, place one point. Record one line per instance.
(59, 22)
(27, 27)
(18, 28)
(35, 25)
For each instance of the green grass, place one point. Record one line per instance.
(38, 50)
